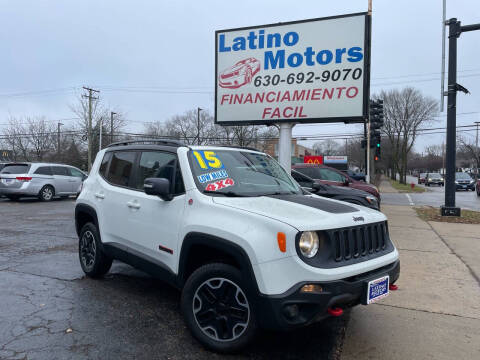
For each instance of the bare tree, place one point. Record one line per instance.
(470, 150)
(41, 137)
(16, 138)
(406, 111)
(327, 147)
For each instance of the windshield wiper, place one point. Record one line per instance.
(291, 192)
(228, 193)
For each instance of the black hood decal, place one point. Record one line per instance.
(320, 204)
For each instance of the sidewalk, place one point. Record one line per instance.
(435, 313)
(386, 187)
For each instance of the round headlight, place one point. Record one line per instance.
(308, 244)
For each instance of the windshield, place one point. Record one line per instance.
(15, 169)
(434, 176)
(462, 176)
(240, 173)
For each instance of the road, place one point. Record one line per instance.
(50, 310)
(434, 196)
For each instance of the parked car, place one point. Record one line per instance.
(43, 180)
(434, 179)
(463, 181)
(330, 176)
(239, 74)
(235, 233)
(341, 193)
(359, 176)
(421, 178)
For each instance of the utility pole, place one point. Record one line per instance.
(111, 125)
(476, 152)
(58, 140)
(89, 130)
(198, 125)
(100, 137)
(455, 30)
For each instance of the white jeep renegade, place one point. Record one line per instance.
(231, 228)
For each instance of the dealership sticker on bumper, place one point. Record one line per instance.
(377, 289)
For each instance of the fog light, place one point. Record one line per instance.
(291, 311)
(311, 288)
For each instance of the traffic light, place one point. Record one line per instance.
(376, 122)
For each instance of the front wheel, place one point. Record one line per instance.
(93, 260)
(217, 309)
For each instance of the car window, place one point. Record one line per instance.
(330, 175)
(104, 164)
(120, 169)
(43, 170)
(76, 173)
(15, 169)
(156, 164)
(310, 172)
(60, 170)
(462, 176)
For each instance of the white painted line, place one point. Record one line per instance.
(409, 199)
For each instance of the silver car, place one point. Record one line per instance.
(43, 180)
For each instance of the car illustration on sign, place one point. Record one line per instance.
(239, 74)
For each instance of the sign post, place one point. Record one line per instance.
(309, 71)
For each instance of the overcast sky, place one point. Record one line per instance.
(155, 59)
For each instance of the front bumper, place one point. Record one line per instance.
(465, 186)
(275, 311)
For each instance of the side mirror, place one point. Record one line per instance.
(316, 187)
(347, 182)
(159, 187)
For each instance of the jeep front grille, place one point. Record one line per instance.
(359, 241)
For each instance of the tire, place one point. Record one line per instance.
(214, 285)
(46, 193)
(94, 262)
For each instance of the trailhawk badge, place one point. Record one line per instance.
(358, 218)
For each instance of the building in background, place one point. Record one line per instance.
(298, 151)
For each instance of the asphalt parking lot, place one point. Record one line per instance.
(49, 310)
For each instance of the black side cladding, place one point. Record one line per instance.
(321, 204)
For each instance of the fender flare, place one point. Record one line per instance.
(226, 246)
(83, 208)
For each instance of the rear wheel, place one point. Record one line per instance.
(46, 193)
(217, 309)
(93, 260)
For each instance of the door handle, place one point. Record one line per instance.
(99, 196)
(133, 205)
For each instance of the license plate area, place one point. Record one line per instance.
(377, 289)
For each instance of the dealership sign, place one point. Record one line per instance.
(306, 71)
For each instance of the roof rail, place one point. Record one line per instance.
(239, 147)
(148, 141)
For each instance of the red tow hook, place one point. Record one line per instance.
(335, 311)
(392, 287)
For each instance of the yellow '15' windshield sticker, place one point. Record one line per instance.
(208, 159)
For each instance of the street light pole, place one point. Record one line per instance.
(455, 30)
(58, 140)
(198, 125)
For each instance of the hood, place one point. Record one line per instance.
(345, 190)
(304, 212)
